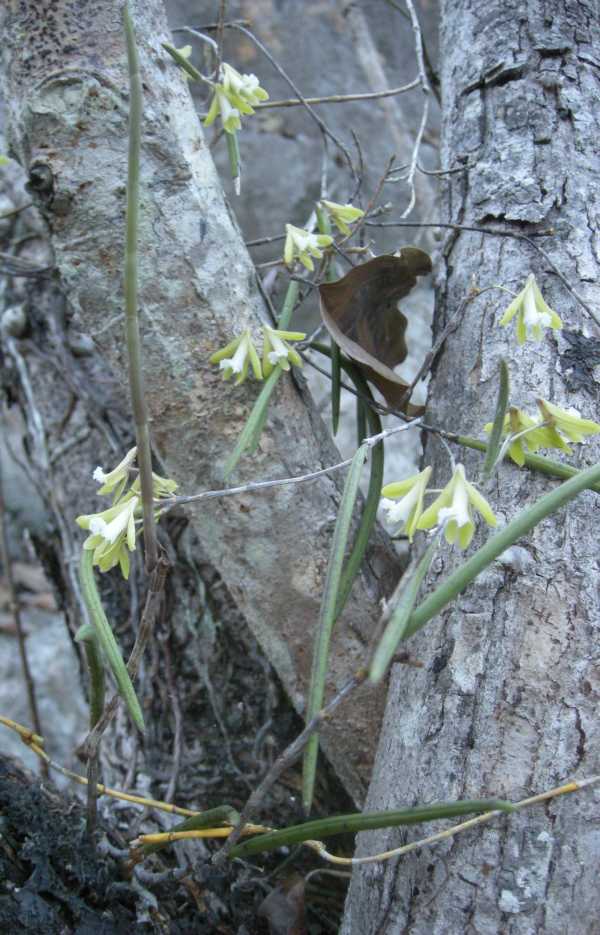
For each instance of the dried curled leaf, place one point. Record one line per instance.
(361, 313)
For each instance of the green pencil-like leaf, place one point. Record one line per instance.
(106, 638)
(495, 440)
(361, 420)
(233, 152)
(327, 617)
(398, 622)
(248, 440)
(344, 824)
(369, 513)
(183, 63)
(336, 388)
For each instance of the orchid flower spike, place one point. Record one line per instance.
(112, 534)
(276, 350)
(302, 245)
(342, 215)
(235, 357)
(452, 510)
(405, 503)
(533, 315)
(115, 480)
(567, 421)
(531, 434)
(234, 95)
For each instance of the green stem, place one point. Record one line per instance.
(106, 637)
(369, 513)
(518, 527)
(233, 151)
(344, 824)
(289, 303)
(327, 617)
(97, 683)
(136, 378)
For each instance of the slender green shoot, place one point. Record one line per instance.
(183, 63)
(495, 440)
(327, 617)
(134, 349)
(350, 824)
(398, 622)
(87, 635)
(361, 420)
(106, 637)
(250, 436)
(369, 513)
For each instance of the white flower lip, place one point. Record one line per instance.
(398, 511)
(111, 531)
(236, 363)
(117, 473)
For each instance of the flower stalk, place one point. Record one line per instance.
(136, 378)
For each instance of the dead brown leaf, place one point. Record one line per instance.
(361, 313)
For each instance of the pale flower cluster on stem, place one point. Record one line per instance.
(452, 510)
(113, 532)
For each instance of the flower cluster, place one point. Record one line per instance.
(342, 215)
(113, 531)
(549, 430)
(452, 510)
(301, 245)
(239, 354)
(533, 315)
(234, 95)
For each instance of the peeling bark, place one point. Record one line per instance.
(507, 701)
(65, 75)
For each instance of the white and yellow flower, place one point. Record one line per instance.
(533, 315)
(528, 433)
(234, 95)
(276, 350)
(113, 532)
(452, 510)
(236, 357)
(403, 501)
(567, 421)
(342, 215)
(302, 245)
(114, 481)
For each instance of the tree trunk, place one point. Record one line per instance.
(67, 91)
(506, 703)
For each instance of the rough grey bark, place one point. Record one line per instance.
(66, 87)
(507, 700)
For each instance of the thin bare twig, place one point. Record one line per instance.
(284, 761)
(14, 211)
(266, 484)
(426, 89)
(340, 98)
(278, 68)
